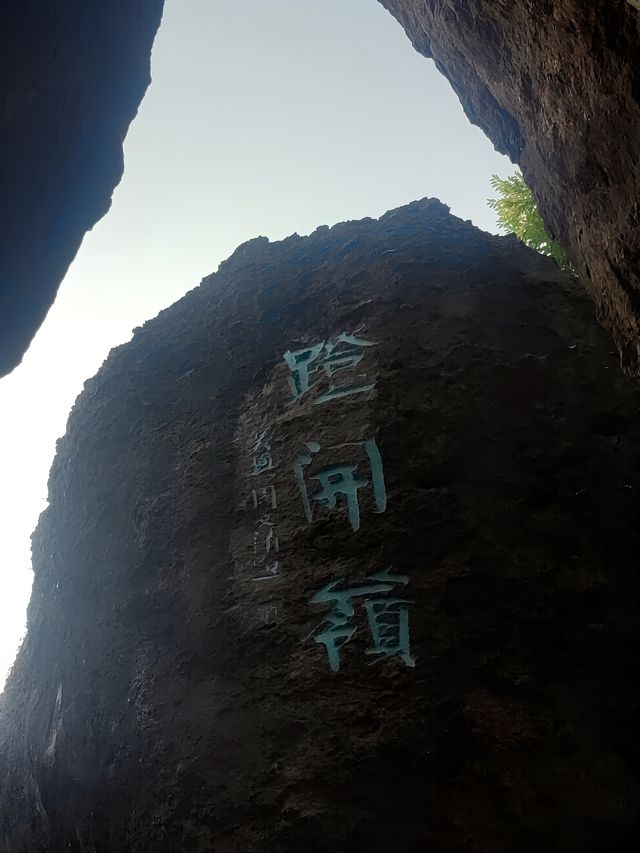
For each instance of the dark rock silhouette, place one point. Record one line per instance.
(72, 75)
(175, 689)
(555, 84)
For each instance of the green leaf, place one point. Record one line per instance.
(518, 213)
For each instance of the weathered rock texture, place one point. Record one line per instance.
(72, 75)
(555, 84)
(165, 700)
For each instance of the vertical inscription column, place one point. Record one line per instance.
(338, 363)
(308, 438)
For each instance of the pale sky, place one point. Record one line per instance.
(263, 118)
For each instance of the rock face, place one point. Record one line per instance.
(72, 75)
(341, 554)
(555, 84)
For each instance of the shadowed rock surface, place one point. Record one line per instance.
(555, 84)
(167, 700)
(72, 75)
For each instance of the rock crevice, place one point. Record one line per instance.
(555, 85)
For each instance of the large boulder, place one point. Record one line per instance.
(341, 554)
(555, 84)
(72, 75)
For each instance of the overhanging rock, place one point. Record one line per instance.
(555, 84)
(72, 75)
(341, 554)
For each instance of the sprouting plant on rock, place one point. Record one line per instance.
(519, 214)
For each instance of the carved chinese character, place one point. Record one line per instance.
(265, 539)
(261, 453)
(331, 358)
(387, 618)
(265, 497)
(267, 612)
(268, 569)
(340, 481)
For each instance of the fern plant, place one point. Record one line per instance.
(518, 213)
